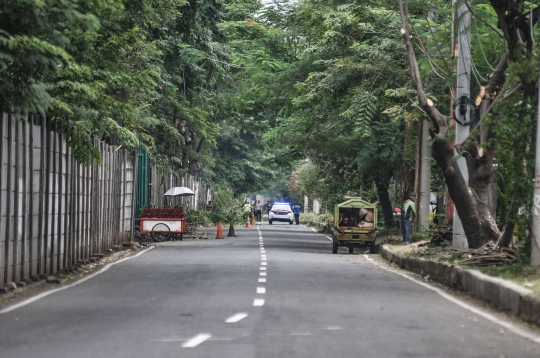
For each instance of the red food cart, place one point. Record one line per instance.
(161, 223)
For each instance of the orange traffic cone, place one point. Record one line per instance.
(219, 234)
(247, 222)
(253, 222)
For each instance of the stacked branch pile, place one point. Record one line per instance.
(487, 255)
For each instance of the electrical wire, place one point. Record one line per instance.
(480, 43)
(465, 45)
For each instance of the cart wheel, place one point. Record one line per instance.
(351, 250)
(334, 247)
(160, 232)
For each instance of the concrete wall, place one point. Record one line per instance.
(54, 211)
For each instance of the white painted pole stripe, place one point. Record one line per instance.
(78, 282)
(195, 341)
(258, 302)
(261, 290)
(510, 326)
(329, 238)
(235, 318)
(369, 258)
(262, 280)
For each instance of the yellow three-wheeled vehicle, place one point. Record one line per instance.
(355, 223)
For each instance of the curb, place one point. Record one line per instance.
(501, 294)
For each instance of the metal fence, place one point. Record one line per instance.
(161, 183)
(55, 212)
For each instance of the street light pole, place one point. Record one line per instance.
(535, 241)
(462, 89)
(424, 198)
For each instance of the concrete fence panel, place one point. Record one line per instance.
(54, 211)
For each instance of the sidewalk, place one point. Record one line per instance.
(501, 294)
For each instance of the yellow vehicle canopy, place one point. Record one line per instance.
(355, 214)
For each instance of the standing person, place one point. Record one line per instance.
(296, 211)
(409, 213)
(258, 212)
(247, 210)
(268, 207)
(210, 206)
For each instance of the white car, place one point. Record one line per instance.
(281, 212)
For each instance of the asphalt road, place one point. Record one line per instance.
(276, 291)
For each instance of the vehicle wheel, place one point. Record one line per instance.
(160, 232)
(270, 222)
(373, 249)
(334, 247)
(290, 222)
(351, 250)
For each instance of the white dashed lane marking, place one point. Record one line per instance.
(262, 280)
(329, 238)
(195, 341)
(263, 268)
(261, 290)
(263, 263)
(263, 258)
(258, 302)
(237, 317)
(313, 229)
(262, 273)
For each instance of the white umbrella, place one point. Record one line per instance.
(179, 191)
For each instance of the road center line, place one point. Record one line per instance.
(258, 302)
(261, 290)
(517, 330)
(195, 341)
(262, 273)
(235, 318)
(264, 263)
(263, 268)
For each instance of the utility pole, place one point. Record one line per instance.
(535, 241)
(425, 179)
(462, 89)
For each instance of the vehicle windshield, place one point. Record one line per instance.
(281, 207)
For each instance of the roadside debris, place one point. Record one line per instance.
(487, 255)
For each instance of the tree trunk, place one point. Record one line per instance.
(470, 201)
(386, 205)
(195, 167)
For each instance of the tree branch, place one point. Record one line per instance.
(438, 120)
(483, 21)
(434, 39)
